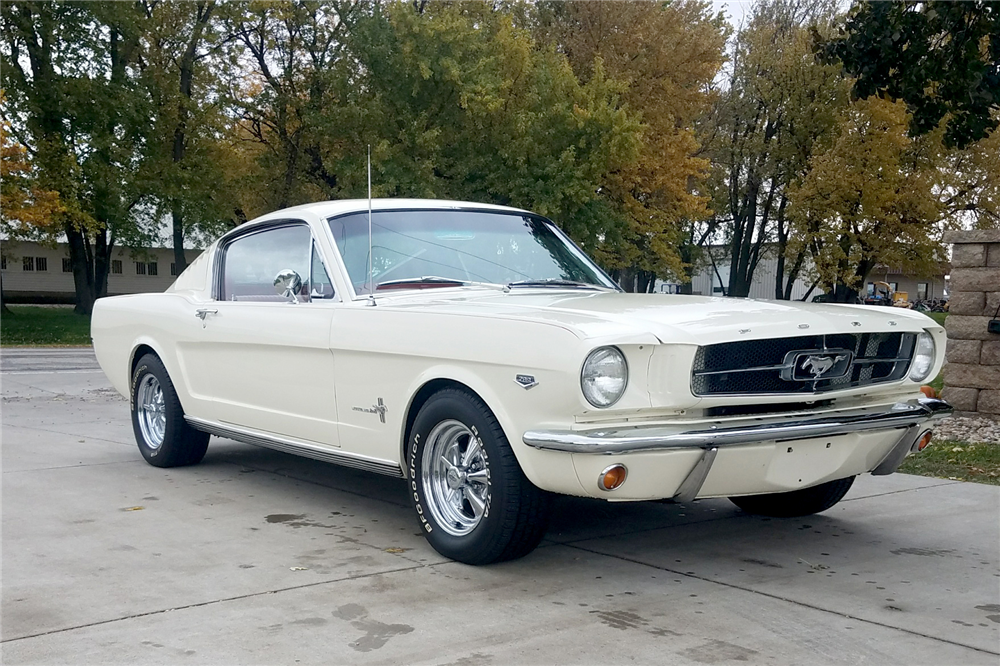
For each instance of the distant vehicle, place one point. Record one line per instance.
(477, 353)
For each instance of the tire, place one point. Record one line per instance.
(164, 437)
(473, 501)
(803, 502)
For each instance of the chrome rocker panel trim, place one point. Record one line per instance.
(286, 445)
(666, 438)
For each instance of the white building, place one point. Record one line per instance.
(39, 273)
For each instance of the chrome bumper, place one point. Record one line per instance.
(664, 438)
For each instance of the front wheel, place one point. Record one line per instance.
(473, 501)
(164, 437)
(803, 502)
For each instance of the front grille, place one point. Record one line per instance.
(784, 366)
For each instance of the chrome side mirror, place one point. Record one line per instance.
(288, 283)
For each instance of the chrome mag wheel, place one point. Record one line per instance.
(151, 411)
(455, 477)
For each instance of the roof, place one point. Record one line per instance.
(330, 208)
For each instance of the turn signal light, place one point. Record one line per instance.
(924, 440)
(613, 477)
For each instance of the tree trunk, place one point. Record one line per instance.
(83, 278)
(177, 217)
(3, 303)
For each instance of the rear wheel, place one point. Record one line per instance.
(164, 437)
(797, 502)
(473, 501)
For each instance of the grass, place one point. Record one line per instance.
(939, 317)
(33, 326)
(957, 460)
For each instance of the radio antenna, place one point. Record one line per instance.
(371, 276)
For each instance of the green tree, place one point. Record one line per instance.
(941, 58)
(66, 71)
(181, 70)
(777, 106)
(665, 55)
(870, 199)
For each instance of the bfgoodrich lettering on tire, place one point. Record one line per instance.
(473, 501)
(164, 437)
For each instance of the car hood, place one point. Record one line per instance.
(671, 318)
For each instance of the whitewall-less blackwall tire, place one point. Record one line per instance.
(473, 501)
(164, 437)
(803, 502)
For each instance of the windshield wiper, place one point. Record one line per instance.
(432, 280)
(555, 282)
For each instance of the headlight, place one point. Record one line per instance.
(604, 376)
(923, 357)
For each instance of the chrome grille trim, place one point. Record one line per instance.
(765, 367)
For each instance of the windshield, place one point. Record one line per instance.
(460, 245)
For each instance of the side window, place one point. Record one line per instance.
(251, 263)
(320, 286)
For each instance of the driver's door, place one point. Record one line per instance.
(264, 358)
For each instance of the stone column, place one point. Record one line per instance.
(972, 368)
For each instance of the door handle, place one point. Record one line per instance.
(202, 313)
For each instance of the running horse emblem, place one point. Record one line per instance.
(820, 365)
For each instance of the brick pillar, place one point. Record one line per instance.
(972, 368)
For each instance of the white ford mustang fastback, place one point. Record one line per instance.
(476, 352)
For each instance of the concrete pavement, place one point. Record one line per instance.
(257, 557)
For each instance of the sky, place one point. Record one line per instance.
(734, 9)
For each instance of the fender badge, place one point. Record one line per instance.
(379, 409)
(525, 381)
(803, 325)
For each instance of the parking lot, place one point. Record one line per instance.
(258, 557)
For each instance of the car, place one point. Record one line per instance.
(478, 354)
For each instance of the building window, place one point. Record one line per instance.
(41, 264)
(116, 266)
(28, 263)
(151, 268)
(140, 268)
(894, 286)
(67, 265)
(173, 268)
(921, 291)
(3, 263)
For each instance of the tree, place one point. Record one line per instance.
(300, 68)
(180, 71)
(75, 106)
(870, 199)
(26, 210)
(941, 58)
(778, 105)
(665, 55)
(455, 100)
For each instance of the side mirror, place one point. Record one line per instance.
(288, 283)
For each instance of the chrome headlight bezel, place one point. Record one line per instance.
(924, 357)
(603, 394)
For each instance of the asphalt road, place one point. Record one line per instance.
(257, 557)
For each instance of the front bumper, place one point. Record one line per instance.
(663, 438)
(704, 442)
